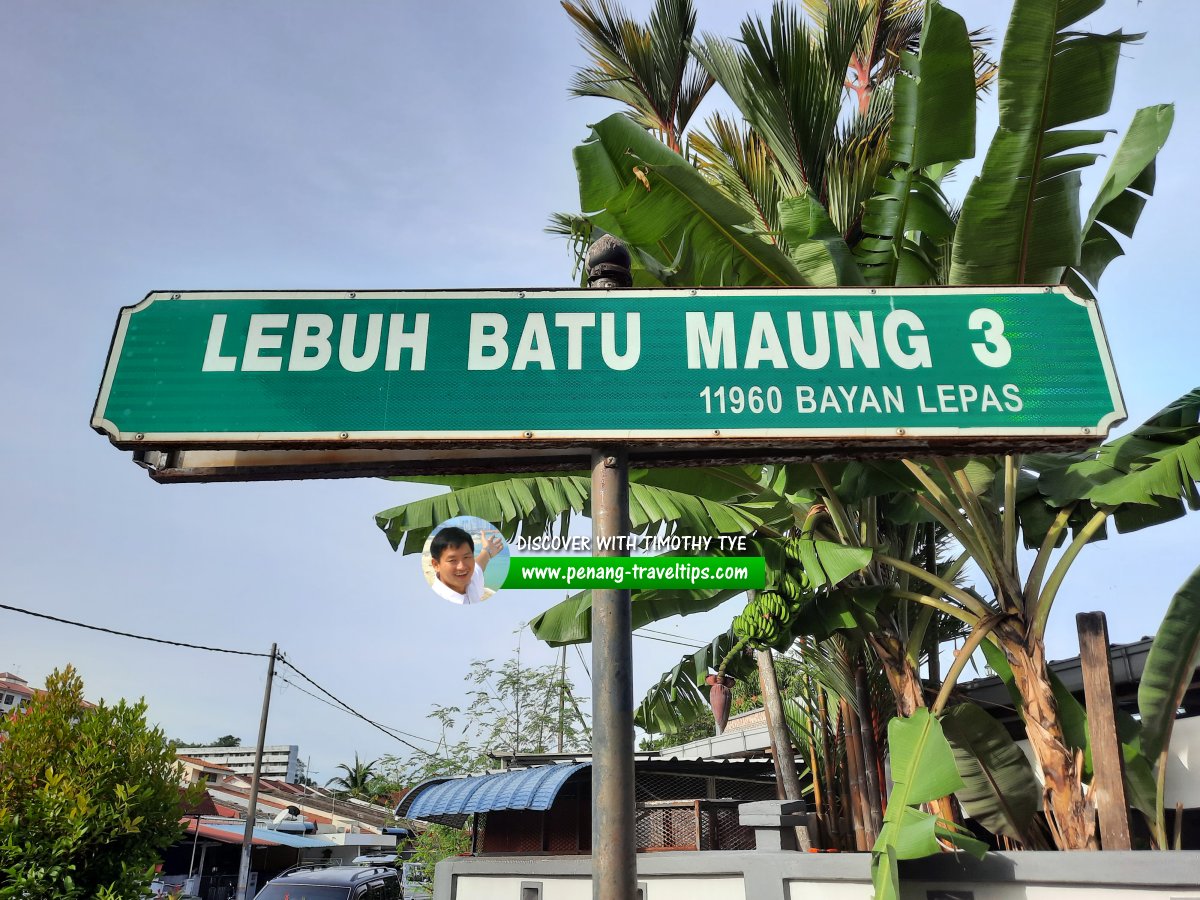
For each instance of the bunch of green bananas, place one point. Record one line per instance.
(767, 620)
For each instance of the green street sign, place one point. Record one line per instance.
(712, 372)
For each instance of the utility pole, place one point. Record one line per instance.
(562, 697)
(614, 854)
(251, 809)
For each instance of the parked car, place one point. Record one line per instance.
(333, 883)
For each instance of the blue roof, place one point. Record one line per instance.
(279, 837)
(533, 788)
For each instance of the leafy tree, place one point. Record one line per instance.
(227, 740)
(89, 797)
(512, 709)
(649, 67)
(435, 843)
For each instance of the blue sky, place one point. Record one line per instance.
(322, 145)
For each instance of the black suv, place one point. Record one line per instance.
(333, 883)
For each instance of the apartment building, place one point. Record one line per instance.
(280, 761)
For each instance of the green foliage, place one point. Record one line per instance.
(694, 731)
(356, 780)
(680, 697)
(934, 122)
(227, 740)
(1020, 220)
(792, 605)
(923, 770)
(999, 790)
(1142, 478)
(512, 708)
(649, 67)
(435, 843)
(1118, 206)
(1173, 658)
(89, 797)
(632, 186)
(787, 79)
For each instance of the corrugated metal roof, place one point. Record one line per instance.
(224, 834)
(533, 788)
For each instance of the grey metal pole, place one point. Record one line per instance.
(614, 847)
(195, 840)
(614, 854)
(248, 837)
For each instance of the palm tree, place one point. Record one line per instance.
(356, 779)
(648, 67)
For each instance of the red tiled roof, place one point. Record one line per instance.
(21, 688)
(202, 807)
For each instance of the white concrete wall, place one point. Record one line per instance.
(782, 875)
(1045, 892)
(581, 888)
(1183, 765)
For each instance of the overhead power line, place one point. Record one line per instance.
(350, 709)
(130, 634)
(333, 705)
(337, 703)
(672, 634)
(651, 637)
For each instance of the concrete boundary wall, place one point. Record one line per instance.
(767, 875)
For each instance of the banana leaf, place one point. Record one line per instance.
(934, 122)
(1020, 221)
(826, 563)
(1122, 196)
(534, 503)
(570, 620)
(923, 769)
(652, 198)
(999, 791)
(1145, 476)
(1172, 662)
(817, 247)
(537, 503)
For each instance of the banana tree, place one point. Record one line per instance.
(1137, 480)
(690, 228)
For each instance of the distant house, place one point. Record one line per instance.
(292, 825)
(200, 771)
(14, 691)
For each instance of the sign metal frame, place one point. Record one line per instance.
(249, 455)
